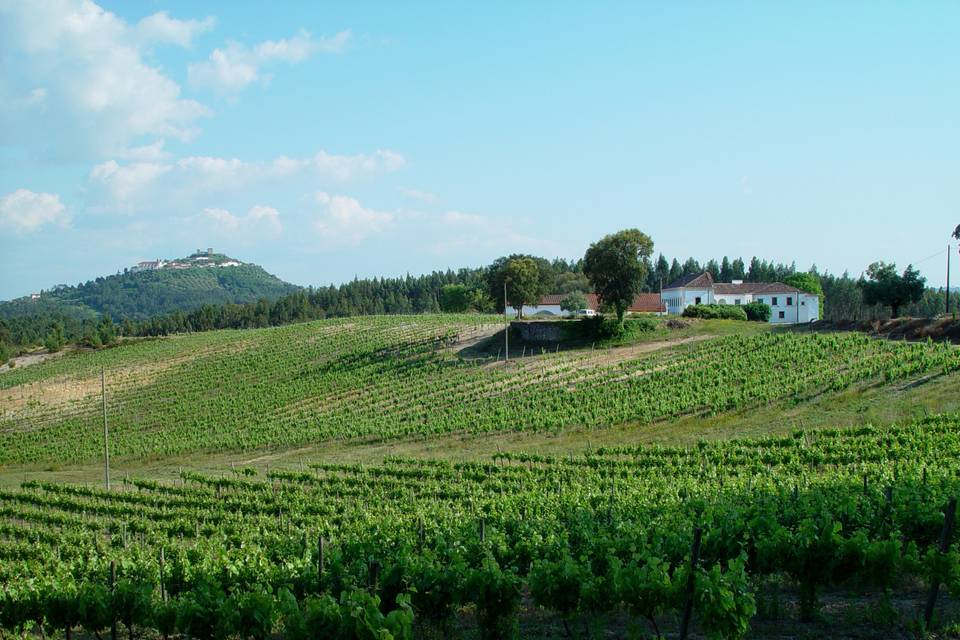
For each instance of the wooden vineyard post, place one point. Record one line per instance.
(163, 592)
(483, 530)
(113, 583)
(374, 575)
(945, 536)
(106, 442)
(320, 545)
(691, 583)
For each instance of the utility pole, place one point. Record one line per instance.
(506, 325)
(948, 279)
(106, 444)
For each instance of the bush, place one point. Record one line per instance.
(607, 327)
(715, 311)
(758, 311)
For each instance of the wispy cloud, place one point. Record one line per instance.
(259, 220)
(344, 219)
(129, 186)
(236, 65)
(416, 194)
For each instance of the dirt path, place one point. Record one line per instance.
(31, 358)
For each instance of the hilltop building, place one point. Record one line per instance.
(149, 265)
(789, 305)
(199, 259)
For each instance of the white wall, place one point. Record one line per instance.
(531, 310)
(681, 298)
(804, 307)
(731, 298)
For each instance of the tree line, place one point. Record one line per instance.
(616, 268)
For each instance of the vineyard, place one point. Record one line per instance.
(383, 378)
(720, 536)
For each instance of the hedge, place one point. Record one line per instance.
(715, 311)
(758, 311)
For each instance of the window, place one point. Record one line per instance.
(773, 300)
(737, 301)
(781, 315)
(789, 301)
(697, 300)
(760, 300)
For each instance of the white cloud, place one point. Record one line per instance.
(124, 183)
(457, 231)
(161, 28)
(26, 211)
(416, 194)
(97, 91)
(344, 219)
(265, 217)
(259, 221)
(150, 177)
(235, 66)
(152, 152)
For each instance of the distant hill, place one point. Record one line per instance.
(155, 288)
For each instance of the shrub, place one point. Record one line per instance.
(758, 311)
(715, 311)
(606, 327)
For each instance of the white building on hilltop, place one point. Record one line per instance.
(789, 305)
(149, 265)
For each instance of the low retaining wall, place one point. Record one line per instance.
(541, 331)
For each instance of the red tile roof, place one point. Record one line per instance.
(643, 303)
(704, 280)
(755, 288)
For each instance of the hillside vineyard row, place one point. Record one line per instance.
(391, 377)
(408, 543)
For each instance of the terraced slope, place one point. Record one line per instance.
(389, 377)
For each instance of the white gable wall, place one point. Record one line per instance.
(790, 308)
(680, 298)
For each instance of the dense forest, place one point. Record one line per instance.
(843, 298)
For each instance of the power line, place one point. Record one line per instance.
(930, 257)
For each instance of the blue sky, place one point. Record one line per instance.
(327, 141)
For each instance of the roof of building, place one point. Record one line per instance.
(703, 279)
(755, 288)
(642, 303)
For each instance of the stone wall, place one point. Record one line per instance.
(541, 331)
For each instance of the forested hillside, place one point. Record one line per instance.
(137, 296)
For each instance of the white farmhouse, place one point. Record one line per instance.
(789, 305)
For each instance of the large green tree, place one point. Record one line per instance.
(527, 277)
(573, 302)
(885, 286)
(808, 282)
(617, 268)
(454, 298)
